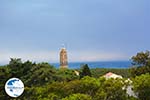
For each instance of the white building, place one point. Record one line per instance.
(112, 75)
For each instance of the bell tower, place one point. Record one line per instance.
(63, 58)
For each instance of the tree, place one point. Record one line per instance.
(141, 63)
(53, 91)
(40, 74)
(141, 86)
(89, 85)
(85, 71)
(78, 96)
(5, 74)
(15, 66)
(141, 59)
(66, 75)
(111, 89)
(72, 87)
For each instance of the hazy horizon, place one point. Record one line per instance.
(79, 63)
(96, 30)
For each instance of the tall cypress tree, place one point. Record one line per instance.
(85, 71)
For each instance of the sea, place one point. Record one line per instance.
(98, 64)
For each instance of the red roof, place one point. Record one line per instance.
(109, 74)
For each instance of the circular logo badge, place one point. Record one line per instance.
(14, 87)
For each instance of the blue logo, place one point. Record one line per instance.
(14, 87)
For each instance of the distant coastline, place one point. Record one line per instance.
(95, 64)
(98, 64)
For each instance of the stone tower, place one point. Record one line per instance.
(63, 58)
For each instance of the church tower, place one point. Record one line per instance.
(63, 58)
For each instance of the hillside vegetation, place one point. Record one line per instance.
(44, 82)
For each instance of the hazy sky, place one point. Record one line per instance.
(92, 30)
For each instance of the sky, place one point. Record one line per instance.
(92, 30)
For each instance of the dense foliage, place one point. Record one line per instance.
(85, 71)
(88, 88)
(97, 72)
(141, 63)
(44, 82)
(32, 74)
(142, 86)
